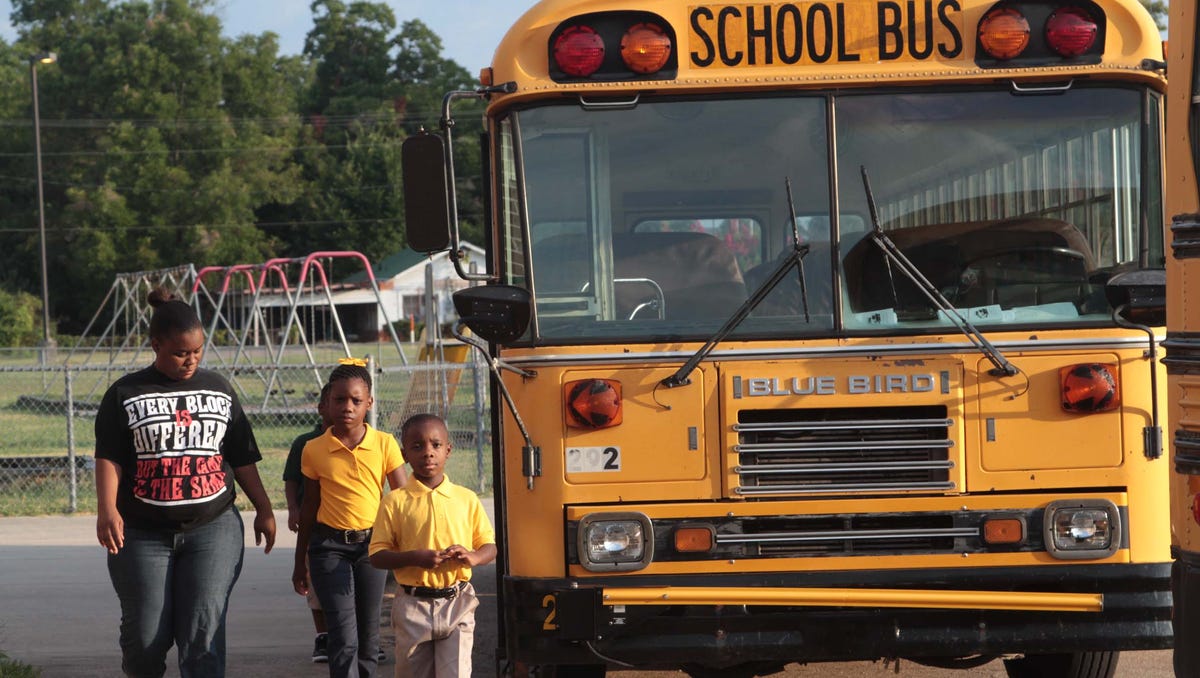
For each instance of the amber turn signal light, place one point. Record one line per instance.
(593, 403)
(645, 48)
(694, 539)
(1003, 531)
(1090, 387)
(1004, 33)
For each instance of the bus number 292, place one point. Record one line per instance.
(593, 459)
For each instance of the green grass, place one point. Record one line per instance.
(38, 426)
(51, 494)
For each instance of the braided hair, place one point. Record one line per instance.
(351, 372)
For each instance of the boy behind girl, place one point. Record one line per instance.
(430, 533)
(293, 487)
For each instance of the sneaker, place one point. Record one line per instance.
(321, 649)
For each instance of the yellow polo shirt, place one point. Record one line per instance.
(416, 517)
(351, 480)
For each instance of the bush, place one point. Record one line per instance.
(402, 327)
(14, 669)
(19, 314)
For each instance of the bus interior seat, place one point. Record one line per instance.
(787, 299)
(1011, 262)
(697, 273)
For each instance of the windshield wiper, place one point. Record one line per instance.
(892, 254)
(793, 258)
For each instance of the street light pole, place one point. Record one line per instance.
(42, 58)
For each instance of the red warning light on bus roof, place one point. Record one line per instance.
(579, 51)
(1071, 31)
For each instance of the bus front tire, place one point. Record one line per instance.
(1064, 665)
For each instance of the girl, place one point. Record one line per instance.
(343, 472)
(170, 440)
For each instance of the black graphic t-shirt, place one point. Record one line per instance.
(177, 443)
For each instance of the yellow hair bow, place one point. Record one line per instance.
(359, 362)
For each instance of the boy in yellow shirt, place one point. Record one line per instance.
(430, 534)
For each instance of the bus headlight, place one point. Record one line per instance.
(1082, 529)
(615, 542)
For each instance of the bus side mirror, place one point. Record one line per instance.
(498, 313)
(1142, 293)
(426, 210)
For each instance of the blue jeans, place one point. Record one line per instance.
(174, 589)
(351, 594)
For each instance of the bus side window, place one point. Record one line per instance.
(562, 264)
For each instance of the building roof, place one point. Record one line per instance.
(396, 264)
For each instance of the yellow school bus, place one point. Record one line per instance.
(820, 331)
(1182, 346)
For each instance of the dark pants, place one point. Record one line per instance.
(174, 589)
(351, 594)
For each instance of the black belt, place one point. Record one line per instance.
(449, 593)
(344, 536)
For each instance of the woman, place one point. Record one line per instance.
(169, 441)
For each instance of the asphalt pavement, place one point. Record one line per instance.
(58, 610)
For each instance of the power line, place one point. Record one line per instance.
(198, 151)
(257, 224)
(345, 120)
(140, 191)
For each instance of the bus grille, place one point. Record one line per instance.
(851, 535)
(887, 449)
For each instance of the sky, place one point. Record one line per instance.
(469, 29)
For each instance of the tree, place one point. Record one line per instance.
(20, 315)
(349, 45)
(161, 140)
(424, 77)
(351, 149)
(165, 143)
(1158, 10)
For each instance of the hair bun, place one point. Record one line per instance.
(160, 295)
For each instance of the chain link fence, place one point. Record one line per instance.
(48, 406)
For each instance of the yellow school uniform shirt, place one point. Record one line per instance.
(351, 480)
(416, 517)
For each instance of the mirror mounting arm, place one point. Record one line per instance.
(1139, 300)
(531, 459)
(1151, 435)
(457, 257)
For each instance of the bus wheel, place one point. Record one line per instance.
(1065, 665)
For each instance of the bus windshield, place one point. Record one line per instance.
(656, 219)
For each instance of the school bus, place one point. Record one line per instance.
(1182, 346)
(820, 331)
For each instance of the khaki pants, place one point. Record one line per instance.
(434, 635)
